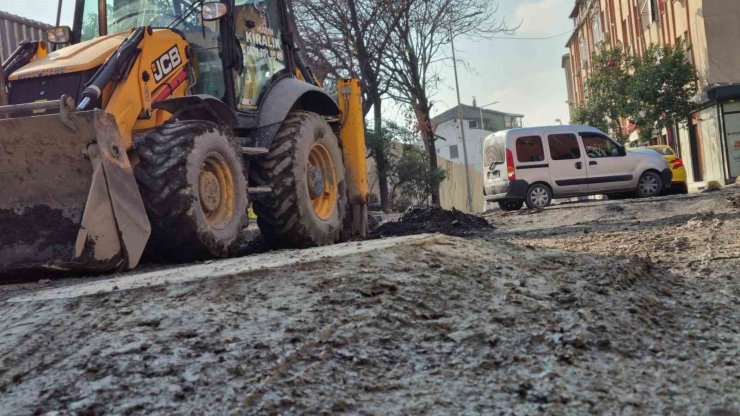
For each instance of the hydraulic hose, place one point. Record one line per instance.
(116, 67)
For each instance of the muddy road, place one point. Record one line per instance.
(619, 307)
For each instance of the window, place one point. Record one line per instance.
(654, 10)
(596, 27)
(508, 122)
(257, 28)
(598, 146)
(563, 147)
(126, 14)
(203, 37)
(454, 154)
(474, 124)
(529, 149)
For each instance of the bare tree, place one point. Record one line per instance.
(348, 38)
(419, 43)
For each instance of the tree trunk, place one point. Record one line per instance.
(427, 135)
(382, 167)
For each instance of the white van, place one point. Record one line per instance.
(535, 165)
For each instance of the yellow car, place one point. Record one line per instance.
(678, 185)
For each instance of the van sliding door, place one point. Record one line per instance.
(568, 173)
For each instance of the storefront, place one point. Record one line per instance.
(709, 143)
(731, 124)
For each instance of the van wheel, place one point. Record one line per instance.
(509, 205)
(649, 185)
(538, 196)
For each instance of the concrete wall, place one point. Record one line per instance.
(450, 131)
(453, 191)
(721, 23)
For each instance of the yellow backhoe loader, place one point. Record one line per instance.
(158, 126)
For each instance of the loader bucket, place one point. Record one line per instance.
(68, 198)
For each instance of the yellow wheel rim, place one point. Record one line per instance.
(216, 191)
(321, 181)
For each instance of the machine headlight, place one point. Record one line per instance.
(61, 34)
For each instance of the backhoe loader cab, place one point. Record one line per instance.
(157, 128)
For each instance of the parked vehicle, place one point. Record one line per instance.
(535, 165)
(679, 183)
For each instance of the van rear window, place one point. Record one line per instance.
(564, 146)
(495, 150)
(529, 149)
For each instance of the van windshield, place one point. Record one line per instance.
(495, 149)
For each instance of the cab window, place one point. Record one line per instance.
(258, 30)
(529, 149)
(563, 147)
(598, 146)
(124, 15)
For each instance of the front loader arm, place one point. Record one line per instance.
(150, 66)
(26, 52)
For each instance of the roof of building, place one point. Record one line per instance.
(470, 112)
(574, 12)
(23, 20)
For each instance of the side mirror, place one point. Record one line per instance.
(213, 10)
(57, 35)
(622, 151)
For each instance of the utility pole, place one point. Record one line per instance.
(462, 126)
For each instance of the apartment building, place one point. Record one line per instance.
(709, 30)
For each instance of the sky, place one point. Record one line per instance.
(524, 76)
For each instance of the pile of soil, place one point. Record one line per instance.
(433, 219)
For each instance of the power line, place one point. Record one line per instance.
(543, 38)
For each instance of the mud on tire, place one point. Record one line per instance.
(191, 221)
(286, 216)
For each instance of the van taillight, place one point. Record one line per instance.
(678, 163)
(510, 165)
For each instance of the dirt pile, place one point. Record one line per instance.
(433, 219)
(455, 325)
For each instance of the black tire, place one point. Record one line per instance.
(191, 219)
(649, 185)
(539, 196)
(286, 216)
(510, 205)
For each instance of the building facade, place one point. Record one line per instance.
(477, 124)
(709, 30)
(14, 29)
